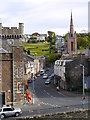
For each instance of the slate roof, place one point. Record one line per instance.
(3, 50)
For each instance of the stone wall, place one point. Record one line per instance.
(18, 73)
(7, 76)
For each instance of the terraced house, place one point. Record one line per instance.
(11, 65)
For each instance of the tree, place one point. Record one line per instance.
(35, 34)
(51, 39)
(82, 42)
(52, 58)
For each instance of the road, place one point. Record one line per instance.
(49, 100)
(49, 96)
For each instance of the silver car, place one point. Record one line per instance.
(7, 111)
(47, 81)
(45, 76)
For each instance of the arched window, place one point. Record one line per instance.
(71, 46)
(5, 36)
(12, 36)
(20, 36)
(17, 36)
(2, 36)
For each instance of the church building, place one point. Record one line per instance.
(71, 39)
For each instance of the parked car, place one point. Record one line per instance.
(57, 88)
(42, 72)
(45, 76)
(33, 78)
(29, 81)
(47, 69)
(50, 77)
(47, 81)
(8, 111)
(38, 75)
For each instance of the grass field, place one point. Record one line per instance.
(40, 49)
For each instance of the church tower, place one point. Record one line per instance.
(71, 41)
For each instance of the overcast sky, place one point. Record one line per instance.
(43, 15)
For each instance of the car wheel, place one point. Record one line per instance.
(17, 114)
(2, 116)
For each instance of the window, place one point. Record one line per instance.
(18, 72)
(7, 109)
(71, 46)
(18, 87)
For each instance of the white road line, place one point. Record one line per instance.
(61, 94)
(53, 97)
(46, 92)
(49, 94)
(50, 104)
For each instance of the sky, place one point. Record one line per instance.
(45, 15)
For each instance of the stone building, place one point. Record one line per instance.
(68, 73)
(12, 33)
(71, 39)
(5, 76)
(12, 65)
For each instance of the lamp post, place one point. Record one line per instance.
(83, 83)
(33, 92)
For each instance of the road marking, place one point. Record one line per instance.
(50, 104)
(46, 92)
(61, 94)
(51, 95)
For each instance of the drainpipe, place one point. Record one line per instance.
(13, 73)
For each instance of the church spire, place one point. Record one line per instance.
(71, 22)
(71, 26)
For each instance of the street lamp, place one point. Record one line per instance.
(33, 92)
(83, 82)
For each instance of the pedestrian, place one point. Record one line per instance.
(26, 86)
(30, 98)
(27, 97)
(57, 88)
